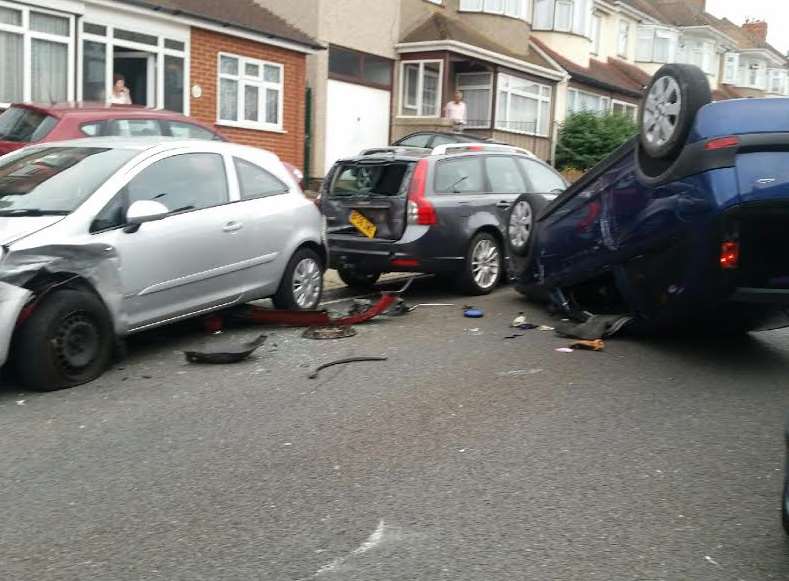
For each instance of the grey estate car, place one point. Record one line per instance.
(109, 236)
(443, 211)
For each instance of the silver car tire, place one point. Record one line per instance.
(301, 287)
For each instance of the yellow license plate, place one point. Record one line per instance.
(362, 224)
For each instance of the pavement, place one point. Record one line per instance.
(464, 456)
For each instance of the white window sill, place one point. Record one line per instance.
(521, 132)
(249, 125)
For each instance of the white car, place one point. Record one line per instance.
(106, 237)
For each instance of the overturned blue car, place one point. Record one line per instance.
(686, 225)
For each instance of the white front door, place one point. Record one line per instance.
(357, 117)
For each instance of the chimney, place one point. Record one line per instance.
(756, 28)
(697, 5)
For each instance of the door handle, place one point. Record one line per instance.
(504, 205)
(232, 227)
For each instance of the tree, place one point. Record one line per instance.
(586, 138)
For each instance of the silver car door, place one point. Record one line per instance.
(189, 260)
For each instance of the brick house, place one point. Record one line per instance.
(233, 65)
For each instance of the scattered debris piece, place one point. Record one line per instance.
(330, 332)
(711, 560)
(399, 308)
(473, 312)
(514, 336)
(545, 328)
(516, 372)
(318, 369)
(475, 331)
(594, 327)
(359, 306)
(594, 345)
(225, 352)
(519, 320)
(432, 305)
(565, 350)
(20, 402)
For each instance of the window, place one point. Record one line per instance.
(133, 127)
(624, 38)
(596, 22)
(579, 101)
(573, 16)
(359, 67)
(777, 81)
(513, 8)
(523, 106)
(25, 125)
(700, 53)
(459, 176)
(190, 131)
(191, 181)
(627, 109)
(503, 175)
(38, 55)
(655, 44)
(255, 182)
(165, 86)
(418, 140)
(731, 65)
(421, 88)
(91, 129)
(250, 96)
(477, 89)
(752, 72)
(543, 180)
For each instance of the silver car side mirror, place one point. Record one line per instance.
(143, 211)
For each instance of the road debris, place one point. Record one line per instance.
(545, 328)
(595, 345)
(225, 352)
(20, 402)
(473, 312)
(433, 305)
(711, 560)
(593, 327)
(519, 320)
(565, 350)
(516, 372)
(318, 369)
(330, 332)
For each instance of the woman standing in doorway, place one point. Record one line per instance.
(120, 92)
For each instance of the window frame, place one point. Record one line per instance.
(773, 74)
(603, 99)
(626, 106)
(624, 34)
(595, 32)
(28, 36)
(360, 80)
(243, 80)
(478, 159)
(518, 9)
(581, 12)
(518, 170)
(654, 32)
(418, 105)
(523, 163)
(541, 102)
(234, 161)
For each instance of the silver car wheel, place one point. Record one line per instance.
(521, 221)
(661, 111)
(485, 263)
(307, 283)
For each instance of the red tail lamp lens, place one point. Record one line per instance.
(722, 143)
(730, 255)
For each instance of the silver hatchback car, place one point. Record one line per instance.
(106, 237)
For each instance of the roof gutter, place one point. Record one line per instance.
(481, 53)
(199, 21)
(593, 82)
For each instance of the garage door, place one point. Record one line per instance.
(357, 117)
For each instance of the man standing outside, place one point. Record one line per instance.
(455, 111)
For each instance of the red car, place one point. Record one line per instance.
(23, 124)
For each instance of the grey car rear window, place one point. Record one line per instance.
(504, 175)
(459, 175)
(384, 179)
(543, 179)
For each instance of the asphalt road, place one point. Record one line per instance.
(463, 457)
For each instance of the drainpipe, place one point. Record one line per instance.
(307, 137)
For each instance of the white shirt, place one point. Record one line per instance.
(123, 99)
(455, 112)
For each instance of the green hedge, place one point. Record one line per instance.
(587, 138)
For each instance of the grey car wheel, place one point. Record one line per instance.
(520, 226)
(661, 114)
(484, 265)
(302, 284)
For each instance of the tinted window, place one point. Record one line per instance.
(443, 140)
(543, 179)
(55, 179)
(504, 176)
(420, 140)
(20, 124)
(460, 175)
(189, 131)
(191, 181)
(91, 129)
(255, 182)
(134, 127)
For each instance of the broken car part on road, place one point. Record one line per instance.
(331, 332)
(226, 351)
(318, 369)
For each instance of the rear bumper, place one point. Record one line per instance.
(12, 301)
(417, 252)
(761, 296)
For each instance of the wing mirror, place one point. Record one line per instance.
(143, 211)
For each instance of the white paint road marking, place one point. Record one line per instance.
(372, 541)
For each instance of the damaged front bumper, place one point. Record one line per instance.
(12, 300)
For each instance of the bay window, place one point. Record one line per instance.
(573, 16)
(581, 101)
(655, 44)
(626, 109)
(700, 53)
(731, 64)
(421, 88)
(777, 81)
(477, 89)
(523, 106)
(513, 8)
(250, 93)
(37, 51)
